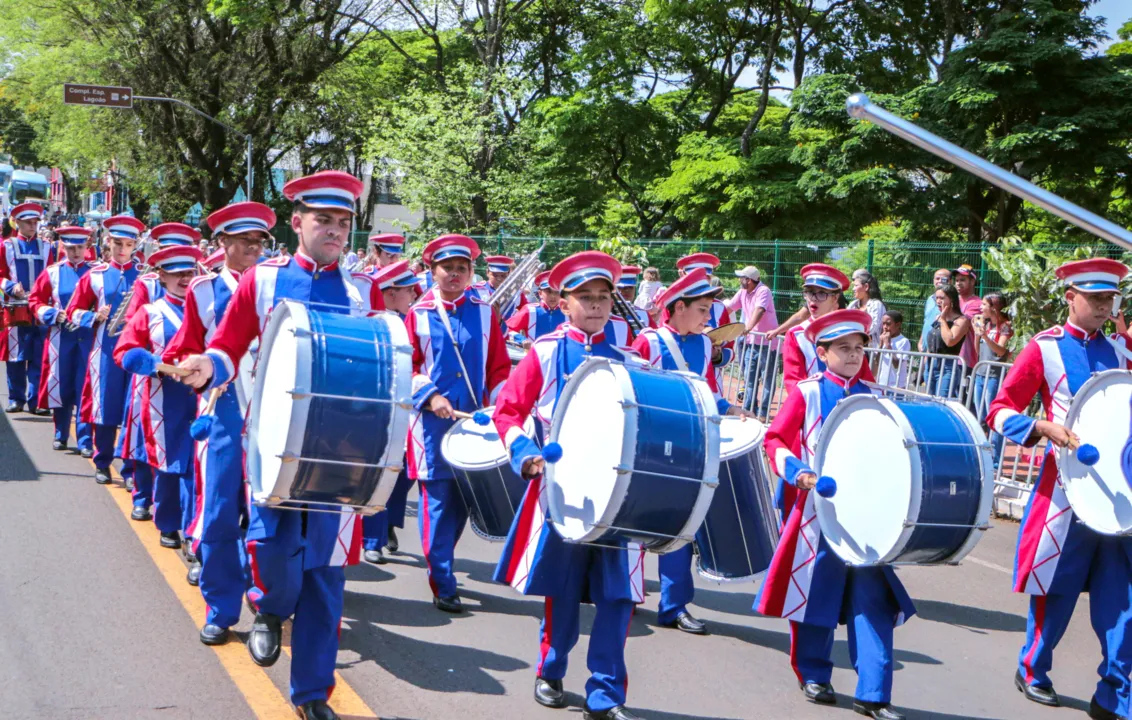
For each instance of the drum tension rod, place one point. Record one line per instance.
(631, 405)
(912, 443)
(289, 457)
(301, 505)
(625, 470)
(302, 394)
(605, 526)
(909, 523)
(299, 332)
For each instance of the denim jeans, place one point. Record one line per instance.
(985, 389)
(946, 378)
(761, 363)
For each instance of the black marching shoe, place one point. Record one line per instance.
(102, 476)
(316, 710)
(171, 540)
(821, 693)
(141, 513)
(618, 712)
(684, 622)
(265, 639)
(58, 444)
(86, 453)
(42, 412)
(448, 604)
(1040, 695)
(14, 407)
(1096, 712)
(213, 634)
(880, 711)
(193, 578)
(374, 557)
(548, 693)
(391, 543)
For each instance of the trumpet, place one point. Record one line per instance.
(524, 272)
(118, 320)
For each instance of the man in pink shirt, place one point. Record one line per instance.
(969, 304)
(760, 356)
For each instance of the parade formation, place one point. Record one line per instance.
(271, 415)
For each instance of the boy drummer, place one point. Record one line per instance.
(681, 345)
(534, 320)
(536, 560)
(807, 583)
(1057, 558)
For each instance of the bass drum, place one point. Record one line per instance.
(245, 377)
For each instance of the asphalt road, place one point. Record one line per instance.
(97, 623)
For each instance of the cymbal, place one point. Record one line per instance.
(726, 333)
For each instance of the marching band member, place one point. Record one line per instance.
(627, 286)
(1058, 557)
(66, 349)
(498, 268)
(536, 560)
(167, 407)
(807, 583)
(296, 558)
(217, 539)
(398, 285)
(534, 320)
(22, 258)
(720, 315)
(214, 262)
(459, 363)
(95, 300)
(385, 249)
(681, 345)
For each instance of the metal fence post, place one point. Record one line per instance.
(774, 271)
(869, 263)
(982, 266)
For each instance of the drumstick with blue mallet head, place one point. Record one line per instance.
(551, 453)
(202, 426)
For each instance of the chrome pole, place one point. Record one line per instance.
(860, 107)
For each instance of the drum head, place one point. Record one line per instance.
(590, 423)
(1101, 415)
(862, 448)
(738, 436)
(277, 420)
(468, 446)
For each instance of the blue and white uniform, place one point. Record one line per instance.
(22, 260)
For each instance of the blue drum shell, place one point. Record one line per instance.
(740, 533)
(346, 430)
(671, 444)
(493, 497)
(943, 465)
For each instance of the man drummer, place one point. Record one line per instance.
(807, 583)
(22, 258)
(534, 320)
(296, 558)
(399, 289)
(167, 408)
(679, 344)
(1058, 557)
(242, 229)
(96, 299)
(536, 560)
(459, 363)
(67, 348)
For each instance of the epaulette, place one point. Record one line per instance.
(1051, 334)
(279, 261)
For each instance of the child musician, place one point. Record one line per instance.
(536, 560)
(534, 320)
(681, 345)
(1058, 557)
(807, 583)
(167, 407)
(459, 363)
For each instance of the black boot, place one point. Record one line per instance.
(193, 578)
(1096, 712)
(819, 693)
(684, 622)
(14, 407)
(391, 544)
(213, 634)
(141, 513)
(448, 604)
(265, 639)
(171, 540)
(880, 711)
(1040, 695)
(316, 710)
(548, 693)
(102, 476)
(620, 712)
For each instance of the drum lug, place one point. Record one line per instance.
(983, 527)
(299, 393)
(629, 404)
(622, 469)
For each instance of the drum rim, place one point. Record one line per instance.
(742, 449)
(710, 481)
(986, 497)
(402, 394)
(528, 430)
(1065, 458)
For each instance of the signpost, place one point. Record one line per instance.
(98, 95)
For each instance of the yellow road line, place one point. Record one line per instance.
(264, 698)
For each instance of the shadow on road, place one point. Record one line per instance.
(17, 464)
(971, 617)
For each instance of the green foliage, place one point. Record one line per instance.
(625, 250)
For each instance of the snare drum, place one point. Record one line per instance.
(491, 489)
(740, 532)
(515, 352)
(915, 481)
(17, 313)
(640, 456)
(330, 410)
(1101, 415)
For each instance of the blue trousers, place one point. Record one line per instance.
(143, 482)
(105, 437)
(868, 610)
(609, 678)
(23, 375)
(443, 517)
(676, 588)
(62, 417)
(312, 598)
(1110, 612)
(172, 500)
(375, 528)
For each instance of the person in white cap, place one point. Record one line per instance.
(755, 302)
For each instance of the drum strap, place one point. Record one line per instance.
(440, 309)
(673, 349)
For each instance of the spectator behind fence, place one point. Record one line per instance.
(969, 304)
(756, 303)
(893, 369)
(649, 288)
(941, 278)
(866, 296)
(947, 335)
(992, 331)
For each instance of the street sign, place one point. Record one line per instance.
(98, 95)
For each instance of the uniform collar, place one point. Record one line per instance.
(234, 273)
(308, 264)
(1076, 332)
(840, 381)
(76, 266)
(121, 266)
(174, 300)
(21, 238)
(674, 331)
(578, 335)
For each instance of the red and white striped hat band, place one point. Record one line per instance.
(332, 189)
(1093, 275)
(167, 234)
(389, 242)
(242, 217)
(838, 324)
(124, 226)
(73, 235)
(28, 211)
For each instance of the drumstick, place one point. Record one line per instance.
(173, 370)
(479, 417)
(202, 426)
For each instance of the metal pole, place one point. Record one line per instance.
(249, 138)
(861, 108)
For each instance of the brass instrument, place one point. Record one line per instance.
(627, 312)
(118, 319)
(524, 272)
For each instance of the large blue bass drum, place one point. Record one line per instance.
(330, 410)
(640, 456)
(915, 481)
